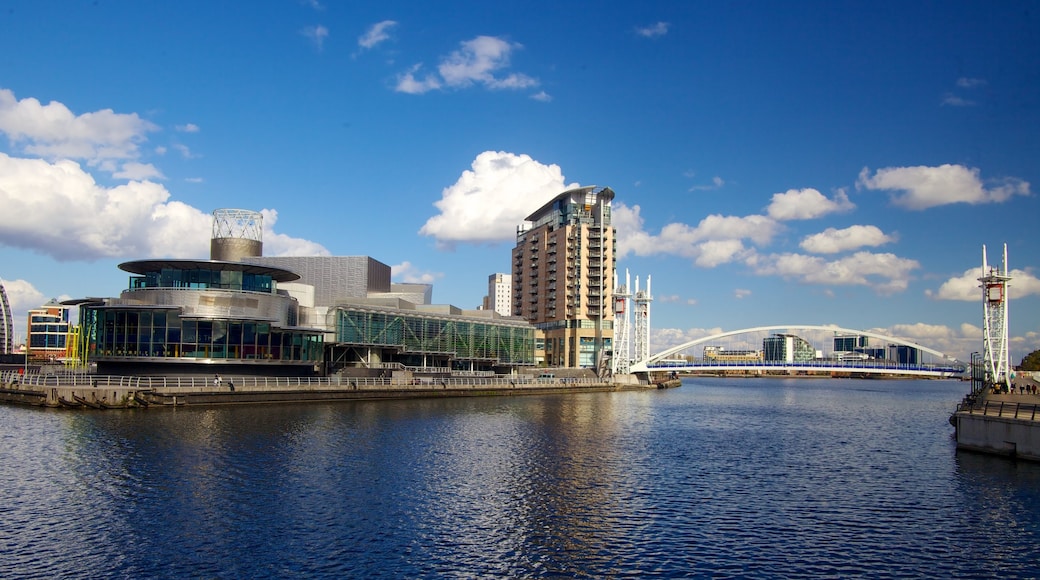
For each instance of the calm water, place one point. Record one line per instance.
(719, 478)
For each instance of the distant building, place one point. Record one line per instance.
(500, 294)
(6, 323)
(787, 348)
(850, 343)
(563, 272)
(722, 354)
(904, 354)
(48, 332)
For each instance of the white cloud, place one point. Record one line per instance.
(664, 338)
(477, 62)
(885, 273)
(134, 220)
(276, 244)
(375, 34)
(184, 150)
(716, 183)
(409, 274)
(317, 34)
(832, 241)
(966, 287)
(487, 202)
(654, 30)
(138, 171)
(408, 83)
(953, 100)
(542, 96)
(924, 187)
(52, 131)
(22, 296)
(804, 204)
(741, 293)
(188, 128)
(715, 240)
(969, 83)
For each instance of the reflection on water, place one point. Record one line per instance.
(720, 477)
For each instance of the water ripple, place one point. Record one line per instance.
(727, 479)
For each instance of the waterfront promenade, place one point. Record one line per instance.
(104, 392)
(1001, 423)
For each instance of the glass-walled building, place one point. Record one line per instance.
(378, 335)
(192, 316)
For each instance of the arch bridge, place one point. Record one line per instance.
(789, 350)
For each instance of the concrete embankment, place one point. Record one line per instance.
(1005, 424)
(146, 392)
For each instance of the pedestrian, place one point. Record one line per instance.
(231, 384)
(216, 381)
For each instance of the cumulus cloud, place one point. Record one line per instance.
(488, 201)
(966, 287)
(22, 296)
(479, 61)
(133, 220)
(317, 34)
(138, 171)
(407, 273)
(276, 244)
(804, 204)
(52, 131)
(713, 241)
(885, 273)
(188, 128)
(376, 34)
(832, 240)
(654, 30)
(741, 293)
(924, 187)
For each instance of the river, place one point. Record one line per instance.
(719, 478)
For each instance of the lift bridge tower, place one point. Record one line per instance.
(642, 301)
(627, 305)
(621, 360)
(995, 355)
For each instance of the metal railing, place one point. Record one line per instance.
(199, 384)
(1009, 409)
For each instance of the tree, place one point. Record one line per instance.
(1031, 362)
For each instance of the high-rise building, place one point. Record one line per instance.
(500, 294)
(563, 270)
(6, 325)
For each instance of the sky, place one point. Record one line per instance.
(817, 162)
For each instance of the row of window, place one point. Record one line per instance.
(200, 279)
(462, 339)
(161, 333)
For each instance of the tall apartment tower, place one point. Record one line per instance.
(500, 294)
(563, 270)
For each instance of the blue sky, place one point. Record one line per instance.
(774, 163)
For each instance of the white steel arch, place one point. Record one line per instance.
(644, 366)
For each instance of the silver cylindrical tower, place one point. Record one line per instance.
(237, 234)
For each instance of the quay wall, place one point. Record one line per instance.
(105, 393)
(1003, 425)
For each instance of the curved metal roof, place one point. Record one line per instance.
(604, 192)
(145, 266)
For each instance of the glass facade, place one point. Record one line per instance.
(202, 279)
(459, 339)
(144, 332)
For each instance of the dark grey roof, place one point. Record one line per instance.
(145, 266)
